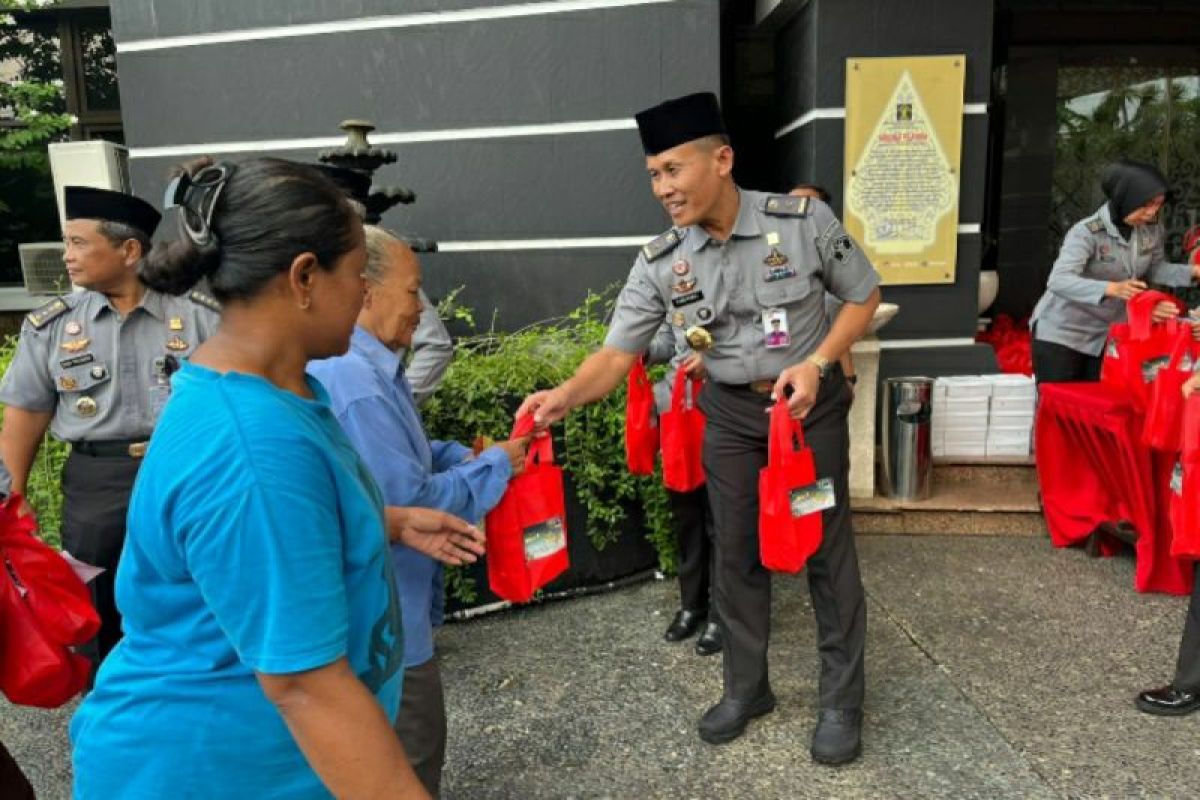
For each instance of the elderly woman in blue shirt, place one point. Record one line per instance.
(374, 403)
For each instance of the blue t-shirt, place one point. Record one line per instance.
(255, 544)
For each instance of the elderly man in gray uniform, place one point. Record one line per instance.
(734, 263)
(94, 367)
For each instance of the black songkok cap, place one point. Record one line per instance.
(356, 185)
(681, 120)
(84, 202)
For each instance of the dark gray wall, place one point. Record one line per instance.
(547, 68)
(812, 49)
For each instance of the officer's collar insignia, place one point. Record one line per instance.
(175, 324)
(775, 258)
(1096, 225)
(43, 315)
(661, 245)
(784, 205)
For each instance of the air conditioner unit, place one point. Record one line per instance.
(43, 268)
(95, 163)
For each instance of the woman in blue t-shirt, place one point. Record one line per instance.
(263, 647)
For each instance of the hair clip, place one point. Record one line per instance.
(196, 198)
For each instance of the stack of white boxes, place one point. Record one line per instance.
(1010, 425)
(960, 416)
(982, 416)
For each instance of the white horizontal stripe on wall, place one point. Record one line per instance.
(400, 137)
(840, 113)
(380, 23)
(969, 227)
(543, 244)
(921, 344)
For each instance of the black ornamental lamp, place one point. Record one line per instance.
(361, 156)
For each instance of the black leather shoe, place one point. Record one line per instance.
(710, 641)
(727, 720)
(685, 624)
(1168, 702)
(838, 736)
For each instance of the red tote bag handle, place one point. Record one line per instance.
(541, 450)
(679, 398)
(785, 441)
(1141, 312)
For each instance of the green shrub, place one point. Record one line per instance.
(45, 477)
(490, 375)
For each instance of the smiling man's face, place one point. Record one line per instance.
(687, 179)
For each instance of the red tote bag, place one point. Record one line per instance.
(1138, 349)
(1164, 410)
(44, 610)
(790, 498)
(683, 437)
(1185, 486)
(527, 530)
(641, 422)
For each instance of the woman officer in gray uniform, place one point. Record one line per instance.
(1106, 259)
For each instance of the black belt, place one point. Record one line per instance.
(127, 448)
(765, 386)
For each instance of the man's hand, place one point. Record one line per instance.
(441, 536)
(1125, 290)
(693, 366)
(547, 407)
(515, 450)
(1192, 384)
(805, 380)
(1163, 311)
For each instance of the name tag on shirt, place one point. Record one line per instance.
(687, 299)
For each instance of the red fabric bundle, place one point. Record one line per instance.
(1012, 342)
(527, 530)
(1164, 410)
(790, 522)
(44, 610)
(683, 437)
(641, 422)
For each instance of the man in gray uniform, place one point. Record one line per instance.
(735, 267)
(94, 367)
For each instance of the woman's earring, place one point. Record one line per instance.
(305, 303)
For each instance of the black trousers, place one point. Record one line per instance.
(421, 723)
(1056, 363)
(95, 502)
(692, 519)
(735, 449)
(1187, 669)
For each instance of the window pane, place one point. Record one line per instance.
(99, 58)
(29, 51)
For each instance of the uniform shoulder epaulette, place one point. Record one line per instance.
(200, 298)
(42, 316)
(1095, 226)
(784, 205)
(661, 245)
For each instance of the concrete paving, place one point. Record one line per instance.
(997, 668)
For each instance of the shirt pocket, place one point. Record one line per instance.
(76, 382)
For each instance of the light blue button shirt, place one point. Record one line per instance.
(374, 403)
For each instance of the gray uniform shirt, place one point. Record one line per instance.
(96, 370)
(735, 285)
(432, 351)
(1074, 311)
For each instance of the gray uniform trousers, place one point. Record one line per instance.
(735, 449)
(1187, 670)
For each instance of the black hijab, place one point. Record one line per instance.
(1129, 185)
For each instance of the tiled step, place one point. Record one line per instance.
(969, 499)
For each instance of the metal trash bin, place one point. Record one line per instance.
(907, 443)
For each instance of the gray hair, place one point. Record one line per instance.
(378, 260)
(119, 232)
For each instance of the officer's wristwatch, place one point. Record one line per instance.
(821, 362)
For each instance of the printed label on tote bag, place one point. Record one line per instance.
(813, 498)
(545, 539)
